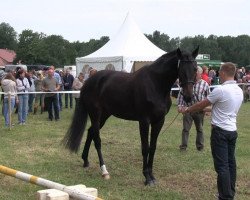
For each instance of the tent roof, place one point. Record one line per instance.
(129, 43)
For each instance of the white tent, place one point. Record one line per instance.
(126, 47)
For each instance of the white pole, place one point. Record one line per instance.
(76, 194)
(9, 104)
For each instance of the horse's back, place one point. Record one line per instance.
(130, 96)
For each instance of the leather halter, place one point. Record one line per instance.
(178, 66)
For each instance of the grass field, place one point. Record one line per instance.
(35, 149)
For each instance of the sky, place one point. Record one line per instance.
(82, 20)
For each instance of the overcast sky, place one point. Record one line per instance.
(83, 20)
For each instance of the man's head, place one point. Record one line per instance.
(227, 71)
(52, 67)
(67, 71)
(50, 73)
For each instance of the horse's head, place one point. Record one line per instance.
(187, 68)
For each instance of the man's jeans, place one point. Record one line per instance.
(68, 96)
(223, 151)
(52, 103)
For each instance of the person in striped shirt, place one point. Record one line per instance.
(200, 92)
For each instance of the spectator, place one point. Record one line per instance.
(23, 87)
(39, 98)
(204, 74)
(68, 80)
(8, 84)
(61, 73)
(211, 75)
(238, 75)
(59, 80)
(243, 71)
(201, 90)
(32, 78)
(216, 79)
(50, 85)
(92, 72)
(86, 75)
(226, 100)
(77, 85)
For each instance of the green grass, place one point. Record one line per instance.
(35, 149)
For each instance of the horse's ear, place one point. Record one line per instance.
(195, 52)
(179, 54)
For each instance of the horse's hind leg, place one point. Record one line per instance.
(89, 139)
(85, 152)
(98, 145)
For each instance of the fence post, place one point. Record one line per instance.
(9, 105)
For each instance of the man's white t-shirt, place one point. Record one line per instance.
(226, 100)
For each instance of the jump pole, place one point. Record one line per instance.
(76, 194)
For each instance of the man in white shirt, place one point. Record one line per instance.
(226, 100)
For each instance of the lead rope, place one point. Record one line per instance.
(171, 123)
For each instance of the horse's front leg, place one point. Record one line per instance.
(155, 130)
(144, 131)
(97, 141)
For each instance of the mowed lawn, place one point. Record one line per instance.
(35, 149)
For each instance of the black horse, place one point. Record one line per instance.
(142, 96)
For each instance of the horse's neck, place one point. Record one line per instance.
(165, 74)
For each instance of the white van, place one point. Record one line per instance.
(13, 67)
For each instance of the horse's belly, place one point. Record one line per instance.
(126, 116)
(123, 112)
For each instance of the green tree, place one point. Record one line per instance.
(187, 43)
(8, 36)
(29, 47)
(242, 47)
(58, 52)
(163, 41)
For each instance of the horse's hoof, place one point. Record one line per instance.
(105, 176)
(150, 183)
(85, 165)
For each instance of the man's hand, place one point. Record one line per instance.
(182, 109)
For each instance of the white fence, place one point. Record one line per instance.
(77, 92)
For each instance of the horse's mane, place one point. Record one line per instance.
(166, 56)
(158, 61)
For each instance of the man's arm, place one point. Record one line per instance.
(199, 106)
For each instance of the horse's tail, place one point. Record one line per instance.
(73, 137)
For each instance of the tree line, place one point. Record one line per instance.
(38, 48)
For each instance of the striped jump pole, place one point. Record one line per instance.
(76, 194)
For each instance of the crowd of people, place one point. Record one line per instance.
(27, 92)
